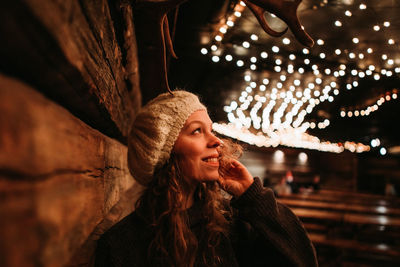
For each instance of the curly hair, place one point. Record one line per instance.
(161, 204)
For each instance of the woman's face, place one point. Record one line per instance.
(196, 148)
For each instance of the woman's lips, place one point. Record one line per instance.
(213, 161)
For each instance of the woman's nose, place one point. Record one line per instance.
(215, 141)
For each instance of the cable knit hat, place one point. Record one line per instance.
(155, 130)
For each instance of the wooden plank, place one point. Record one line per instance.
(368, 209)
(348, 218)
(320, 239)
(62, 183)
(75, 54)
(344, 199)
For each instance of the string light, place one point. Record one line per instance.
(288, 101)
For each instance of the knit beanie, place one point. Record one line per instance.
(155, 130)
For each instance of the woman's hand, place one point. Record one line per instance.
(234, 177)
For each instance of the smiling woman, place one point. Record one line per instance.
(182, 217)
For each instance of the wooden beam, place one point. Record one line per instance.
(81, 54)
(62, 183)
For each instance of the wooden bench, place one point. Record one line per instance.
(354, 208)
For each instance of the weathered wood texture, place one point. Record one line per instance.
(81, 54)
(62, 183)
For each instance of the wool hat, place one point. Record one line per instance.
(155, 130)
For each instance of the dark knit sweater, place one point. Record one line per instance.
(262, 233)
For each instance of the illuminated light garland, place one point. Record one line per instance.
(289, 137)
(277, 101)
(388, 96)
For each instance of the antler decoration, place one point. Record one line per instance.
(286, 10)
(153, 32)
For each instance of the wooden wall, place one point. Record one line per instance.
(69, 89)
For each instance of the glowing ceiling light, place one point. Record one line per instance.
(320, 42)
(292, 57)
(356, 40)
(246, 44)
(240, 63)
(376, 28)
(264, 54)
(322, 55)
(390, 41)
(386, 24)
(382, 151)
(352, 55)
(223, 30)
(338, 23)
(265, 81)
(370, 50)
(306, 61)
(347, 13)
(218, 38)
(254, 37)
(301, 70)
(306, 51)
(237, 14)
(277, 68)
(390, 61)
(230, 23)
(253, 59)
(215, 58)
(214, 48)
(286, 41)
(361, 56)
(363, 6)
(327, 71)
(278, 62)
(204, 51)
(275, 49)
(338, 51)
(228, 57)
(384, 56)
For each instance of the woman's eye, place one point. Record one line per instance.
(196, 131)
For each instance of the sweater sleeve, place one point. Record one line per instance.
(102, 254)
(274, 226)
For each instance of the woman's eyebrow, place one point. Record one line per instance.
(193, 122)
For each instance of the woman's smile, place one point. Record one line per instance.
(197, 148)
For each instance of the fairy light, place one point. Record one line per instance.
(371, 108)
(287, 93)
(264, 54)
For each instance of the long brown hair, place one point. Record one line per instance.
(161, 204)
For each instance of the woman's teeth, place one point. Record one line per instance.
(211, 160)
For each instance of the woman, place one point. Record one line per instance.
(182, 217)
